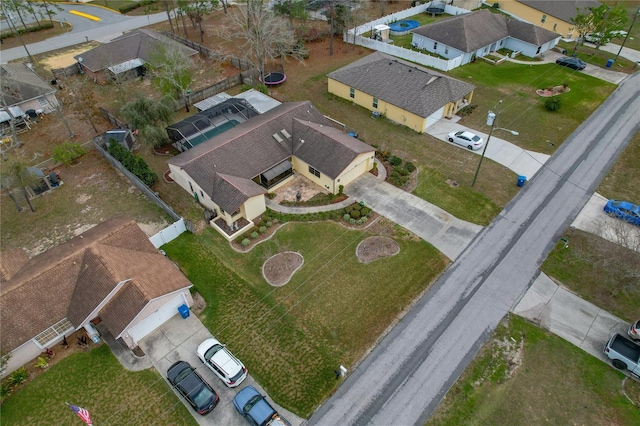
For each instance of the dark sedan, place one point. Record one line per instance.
(571, 62)
(188, 382)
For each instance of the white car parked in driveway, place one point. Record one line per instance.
(466, 138)
(217, 357)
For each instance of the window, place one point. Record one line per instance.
(43, 102)
(501, 42)
(191, 186)
(544, 18)
(446, 50)
(555, 26)
(435, 45)
(538, 51)
(314, 171)
(53, 332)
(375, 102)
(352, 92)
(201, 193)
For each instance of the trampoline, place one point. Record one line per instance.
(436, 9)
(403, 27)
(274, 78)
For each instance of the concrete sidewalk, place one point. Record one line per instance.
(563, 313)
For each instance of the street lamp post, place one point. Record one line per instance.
(627, 35)
(491, 121)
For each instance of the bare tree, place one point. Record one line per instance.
(83, 101)
(196, 11)
(16, 175)
(172, 70)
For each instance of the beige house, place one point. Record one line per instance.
(110, 274)
(400, 91)
(554, 15)
(230, 173)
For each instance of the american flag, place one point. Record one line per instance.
(82, 413)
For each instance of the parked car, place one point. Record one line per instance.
(623, 210)
(571, 62)
(217, 357)
(466, 138)
(634, 330)
(596, 38)
(255, 408)
(192, 387)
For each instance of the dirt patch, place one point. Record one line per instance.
(65, 59)
(279, 269)
(199, 304)
(374, 248)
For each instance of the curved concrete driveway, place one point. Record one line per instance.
(446, 232)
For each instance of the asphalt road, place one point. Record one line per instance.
(403, 380)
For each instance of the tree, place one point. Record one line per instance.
(293, 9)
(83, 98)
(338, 15)
(150, 118)
(264, 36)
(172, 70)
(67, 152)
(197, 10)
(600, 20)
(16, 175)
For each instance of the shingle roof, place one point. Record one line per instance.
(20, 84)
(472, 31)
(11, 261)
(224, 165)
(72, 279)
(326, 148)
(561, 9)
(136, 44)
(402, 84)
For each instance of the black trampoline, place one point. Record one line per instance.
(274, 78)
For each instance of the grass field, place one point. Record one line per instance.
(95, 381)
(527, 376)
(292, 338)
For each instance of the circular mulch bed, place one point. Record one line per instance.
(374, 248)
(279, 269)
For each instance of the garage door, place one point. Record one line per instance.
(157, 318)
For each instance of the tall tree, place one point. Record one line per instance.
(292, 9)
(83, 99)
(172, 70)
(16, 175)
(150, 118)
(197, 10)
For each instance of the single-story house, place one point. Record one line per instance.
(401, 91)
(111, 273)
(24, 90)
(555, 15)
(126, 56)
(476, 34)
(231, 172)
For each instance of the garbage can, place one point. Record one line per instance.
(609, 63)
(184, 311)
(521, 180)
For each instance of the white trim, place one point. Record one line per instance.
(97, 309)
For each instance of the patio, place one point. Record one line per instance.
(297, 185)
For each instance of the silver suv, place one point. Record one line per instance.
(634, 331)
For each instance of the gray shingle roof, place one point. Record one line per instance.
(327, 149)
(402, 84)
(529, 33)
(138, 44)
(20, 84)
(561, 9)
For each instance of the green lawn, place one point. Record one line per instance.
(292, 338)
(522, 110)
(95, 380)
(554, 383)
(622, 180)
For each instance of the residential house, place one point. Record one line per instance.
(554, 15)
(479, 33)
(110, 273)
(401, 91)
(24, 90)
(231, 172)
(125, 56)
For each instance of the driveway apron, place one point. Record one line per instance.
(444, 231)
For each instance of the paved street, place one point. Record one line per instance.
(405, 377)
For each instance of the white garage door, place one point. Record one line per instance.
(156, 319)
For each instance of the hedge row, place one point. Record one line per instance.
(134, 163)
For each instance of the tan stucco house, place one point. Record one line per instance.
(554, 15)
(111, 273)
(230, 173)
(400, 91)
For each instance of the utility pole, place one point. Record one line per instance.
(627, 35)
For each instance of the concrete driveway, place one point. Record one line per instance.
(563, 313)
(178, 339)
(444, 231)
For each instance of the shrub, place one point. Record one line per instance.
(348, 209)
(346, 217)
(18, 376)
(5, 389)
(254, 234)
(352, 221)
(340, 190)
(356, 207)
(395, 161)
(384, 155)
(552, 104)
(409, 166)
(68, 152)
(365, 211)
(41, 363)
(356, 214)
(262, 229)
(134, 163)
(245, 242)
(269, 224)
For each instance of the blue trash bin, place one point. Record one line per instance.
(609, 63)
(184, 311)
(521, 181)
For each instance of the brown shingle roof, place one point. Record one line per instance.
(11, 261)
(561, 9)
(327, 149)
(73, 279)
(20, 84)
(402, 84)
